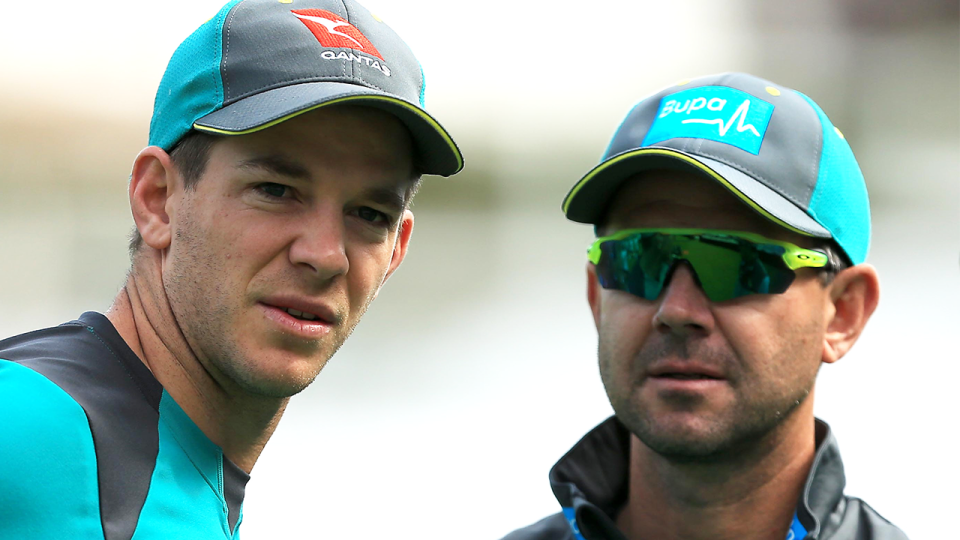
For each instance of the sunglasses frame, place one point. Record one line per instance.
(794, 256)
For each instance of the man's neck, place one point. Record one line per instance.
(751, 498)
(236, 421)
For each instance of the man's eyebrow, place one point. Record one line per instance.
(392, 199)
(276, 165)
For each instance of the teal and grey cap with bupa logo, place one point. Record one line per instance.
(771, 146)
(257, 63)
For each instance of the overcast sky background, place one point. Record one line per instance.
(475, 370)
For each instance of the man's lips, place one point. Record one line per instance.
(686, 378)
(684, 370)
(302, 309)
(304, 318)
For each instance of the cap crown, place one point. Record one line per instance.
(741, 125)
(252, 46)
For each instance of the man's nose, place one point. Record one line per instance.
(684, 308)
(320, 247)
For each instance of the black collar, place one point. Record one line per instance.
(592, 478)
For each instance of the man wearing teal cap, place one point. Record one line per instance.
(271, 206)
(733, 224)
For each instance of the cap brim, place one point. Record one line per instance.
(437, 153)
(587, 202)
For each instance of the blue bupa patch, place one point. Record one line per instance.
(717, 113)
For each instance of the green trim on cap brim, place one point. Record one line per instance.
(419, 112)
(683, 157)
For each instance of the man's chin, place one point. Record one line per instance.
(686, 437)
(686, 448)
(277, 376)
(275, 386)
(689, 438)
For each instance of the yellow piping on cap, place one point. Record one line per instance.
(664, 152)
(433, 123)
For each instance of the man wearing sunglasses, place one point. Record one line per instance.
(733, 224)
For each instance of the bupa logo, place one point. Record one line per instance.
(717, 113)
(333, 31)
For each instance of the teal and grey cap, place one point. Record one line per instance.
(257, 63)
(771, 146)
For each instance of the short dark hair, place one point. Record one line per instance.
(189, 156)
(837, 260)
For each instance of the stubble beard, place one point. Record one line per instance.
(202, 313)
(734, 433)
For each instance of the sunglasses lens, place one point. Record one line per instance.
(717, 268)
(726, 268)
(637, 264)
(762, 271)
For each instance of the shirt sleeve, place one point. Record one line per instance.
(48, 466)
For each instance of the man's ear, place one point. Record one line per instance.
(151, 185)
(853, 294)
(401, 245)
(593, 293)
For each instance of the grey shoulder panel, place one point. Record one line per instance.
(89, 361)
(46, 453)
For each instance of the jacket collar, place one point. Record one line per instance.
(590, 480)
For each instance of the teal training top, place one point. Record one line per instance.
(93, 447)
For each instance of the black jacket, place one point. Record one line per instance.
(590, 482)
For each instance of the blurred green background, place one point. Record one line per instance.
(475, 369)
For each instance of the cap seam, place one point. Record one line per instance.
(343, 68)
(226, 53)
(354, 68)
(423, 85)
(700, 146)
(221, 59)
(815, 161)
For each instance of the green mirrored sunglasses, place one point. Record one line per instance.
(727, 264)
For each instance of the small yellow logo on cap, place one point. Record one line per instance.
(773, 91)
(835, 128)
(682, 82)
